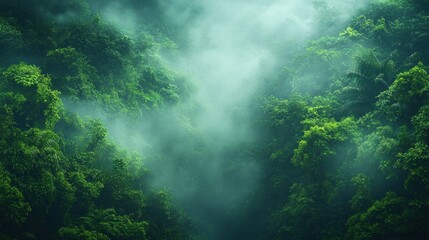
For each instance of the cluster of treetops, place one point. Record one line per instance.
(60, 175)
(344, 150)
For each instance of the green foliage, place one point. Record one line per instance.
(389, 25)
(167, 221)
(377, 152)
(421, 124)
(424, 4)
(60, 176)
(362, 199)
(42, 105)
(349, 32)
(328, 56)
(71, 73)
(36, 144)
(314, 150)
(104, 224)
(13, 208)
(10, 37)
(77, 233)
(406, 95)
(25, 75)
(301, 209)
(114, 226)
(107, 50)
(285, 115)
(363, 178)
(381, 220)
(415, 163)
(87, 188)
(370, 78)
(323, 174)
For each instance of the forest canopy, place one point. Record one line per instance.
(128, 120)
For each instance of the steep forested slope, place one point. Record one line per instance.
(61, 177)
(345, 146)
(340, 130)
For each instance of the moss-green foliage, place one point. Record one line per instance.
(52, 178)
(40, 99)
(71, 73)
(342, 141)
(408, 93)
(88, 59)
(352, 162)
(11, 39)
(14, 210)
(60, 176)
(105, 224)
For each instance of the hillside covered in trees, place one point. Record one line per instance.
(166, 119)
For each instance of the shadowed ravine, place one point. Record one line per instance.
(231, 46)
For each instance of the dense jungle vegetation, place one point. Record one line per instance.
(341, 128)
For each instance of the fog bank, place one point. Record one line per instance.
(231, 46)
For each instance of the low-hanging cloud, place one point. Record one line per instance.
(231, 46)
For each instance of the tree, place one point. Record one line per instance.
(114, 226)
(11, 39)
(389, 218)
(370, 78)
(13, 208)
(300, 214)
(406, 95)
(41, 105)
(316, 150)
(421, 124)
(71, 73)
(423, 4)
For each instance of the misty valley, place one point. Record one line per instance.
(214, 120)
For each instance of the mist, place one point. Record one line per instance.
(231, 47)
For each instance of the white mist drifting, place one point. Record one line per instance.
(231, 46)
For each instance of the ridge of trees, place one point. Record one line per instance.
(344, 144)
